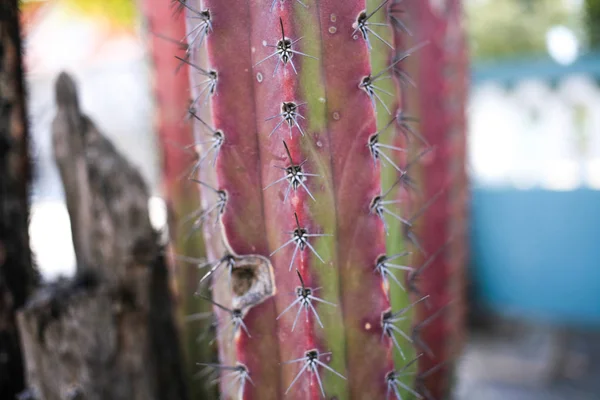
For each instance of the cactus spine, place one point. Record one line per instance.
(306, 149)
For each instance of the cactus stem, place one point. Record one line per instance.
(219, 193)
(375, 148)
(289, 113)
(394, 384)
(239, 372)
(199, 32)
(378, 207)
(312, 362)
(367, 83)
(210, 83)
(305, 298)
(403, 78)
(285, 51)
(337, 137)
(178, 5)
(236, 315)
(300, 238)
(388, 320)
(189, 112)
(420, 380)
(382, 266)
(217, 141)
(362, 25)
(402, 121)
(197, 151)
(283, 1)
(227, 259)
(416, 335)
(393, 10)
(295, 176)
(405, 180)
(207, 126)
(413, 277)
(407, 228)
(202, 215)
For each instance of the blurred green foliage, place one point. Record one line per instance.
(592, 19)
(508, 28)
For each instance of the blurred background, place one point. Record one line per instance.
(534, 165)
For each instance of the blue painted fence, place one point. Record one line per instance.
(536, 253)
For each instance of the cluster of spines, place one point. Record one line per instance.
(295, 175)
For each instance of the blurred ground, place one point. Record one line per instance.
(515, 360)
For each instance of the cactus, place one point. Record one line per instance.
(311, 207)
(171, 98)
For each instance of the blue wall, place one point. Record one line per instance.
(536, 253)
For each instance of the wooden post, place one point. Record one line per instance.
(109, 333)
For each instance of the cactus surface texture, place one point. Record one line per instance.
(333, 258)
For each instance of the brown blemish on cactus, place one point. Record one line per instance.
(252, 281)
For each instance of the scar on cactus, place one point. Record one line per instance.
(251, 281)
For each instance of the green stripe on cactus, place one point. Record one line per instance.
(381, 57)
